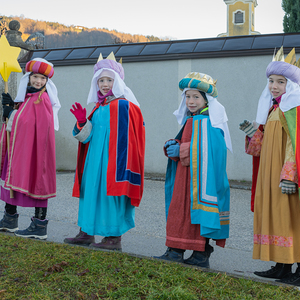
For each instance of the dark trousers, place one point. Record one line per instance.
(40, 212)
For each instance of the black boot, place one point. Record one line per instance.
(9, 222)
(37, 229)
(278, 272)
(172, 255)
(292, 278)
(200, 258)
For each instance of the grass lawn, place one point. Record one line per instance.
(31, 269)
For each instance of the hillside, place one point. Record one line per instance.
(58, 35)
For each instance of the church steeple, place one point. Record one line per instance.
(240, 17)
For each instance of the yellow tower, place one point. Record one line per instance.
(240, 17)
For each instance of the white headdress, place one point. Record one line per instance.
(51, 90)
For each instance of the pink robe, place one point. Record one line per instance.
(31, 168)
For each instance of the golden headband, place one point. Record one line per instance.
(204, 78)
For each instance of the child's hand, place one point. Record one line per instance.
(6, 111)
(248, 128)
(173, 150)
(169, 143)
(7, 100)
(288, 187)
(79, 112)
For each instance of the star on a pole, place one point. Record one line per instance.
(8, 58)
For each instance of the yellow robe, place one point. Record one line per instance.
(276, 215)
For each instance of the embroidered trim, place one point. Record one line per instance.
(281, 241)
(177, 239)
(225, 222)
(289, 172)
(224, 215)
(253, 146)
(2, 184)
(26, 192)
(205, 162)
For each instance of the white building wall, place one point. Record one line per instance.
(155, 85)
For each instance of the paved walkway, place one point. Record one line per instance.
(148, 237)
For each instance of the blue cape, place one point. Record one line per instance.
(210, 192)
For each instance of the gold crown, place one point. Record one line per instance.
(204, 78)
(290, 58)
(111, 56)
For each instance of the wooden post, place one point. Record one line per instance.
(11, 192)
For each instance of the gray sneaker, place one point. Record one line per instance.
(9, 222)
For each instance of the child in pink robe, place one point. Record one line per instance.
(28, 169)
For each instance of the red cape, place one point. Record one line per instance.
(125, 170)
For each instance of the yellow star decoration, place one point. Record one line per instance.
(8, 58)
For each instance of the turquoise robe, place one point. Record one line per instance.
(100, 214)
(210, 192)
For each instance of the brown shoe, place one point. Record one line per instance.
(81, 238)
(109, 243)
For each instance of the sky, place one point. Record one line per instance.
(174, 19)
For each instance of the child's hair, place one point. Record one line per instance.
(40, 94)
(204, 96)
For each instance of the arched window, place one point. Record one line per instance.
(239, 17)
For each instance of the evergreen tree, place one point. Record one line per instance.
(291, 19)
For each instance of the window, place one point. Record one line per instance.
(239, 17)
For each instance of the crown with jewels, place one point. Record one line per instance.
(290, 58)
(204, 78)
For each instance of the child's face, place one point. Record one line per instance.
(194, 100)
(105, 84)
(37, 80)
(277, 85)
